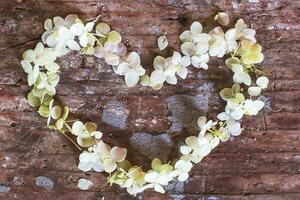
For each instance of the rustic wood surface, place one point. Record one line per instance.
(263, 163)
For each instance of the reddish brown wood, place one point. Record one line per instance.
(262, 164)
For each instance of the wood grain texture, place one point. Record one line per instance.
(262, 164)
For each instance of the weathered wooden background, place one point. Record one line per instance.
(263, 163)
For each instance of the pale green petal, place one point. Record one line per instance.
(131, 78)
(56, 112)
(77, 29)
(114, 37)
(262, 82)
(157, 77)
(102, 29)
(32, 100)
(254, 91)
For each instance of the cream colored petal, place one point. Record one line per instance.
(196, 28)
(118, 154)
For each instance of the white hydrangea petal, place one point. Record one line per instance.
(223, 116)
(89, 26)
(192, 141)
(118, 154)
(183, 176)
(77, 128)
(39, 48)
(77, 29)
(134, 59)
(151, 177)
(196, 156)
(64, 33)
(83, 40)
(58, 21)
(73, 45)
(97, 134)
(176, 58)
(84, 184)
(186, 36)
(162, 42)
(111, 59)
(44, 37)
(188, 48)
(98, 167)
(139, 70)
(234, 127)
(121, 50)
(159, 188)
(99, 52)
(104, 149)
(48, 25)
(26, 66)
(182, 72)
(185, 61)
(122, 68)
(85, 157)
(185, 149)
(70, 19)
(131, 78)
(201, 48)
(85, 166)
(249, 34)
(171, 79)
(159, 62)
(29, 55)
(254, 91)
(262, 82)
(157, 76)
(237, 114)
(51, 41)
(246, 78)
(196, 28)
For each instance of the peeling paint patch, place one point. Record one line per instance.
(175, 187)
(115, 114)
(44, 182)
(152, 146)
(186, 109)
(18, 181)
(177, 196)
(4, 189)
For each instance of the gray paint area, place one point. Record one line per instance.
(152, 146)
(115, 114)
(186, 109)
(4, 189)
(44, 182)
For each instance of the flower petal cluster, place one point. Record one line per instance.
(195, 45)
(160, 175)
(222, 43)
(102, 158)
(86, 133)
(166, 69)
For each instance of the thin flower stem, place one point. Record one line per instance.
(71, 140)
